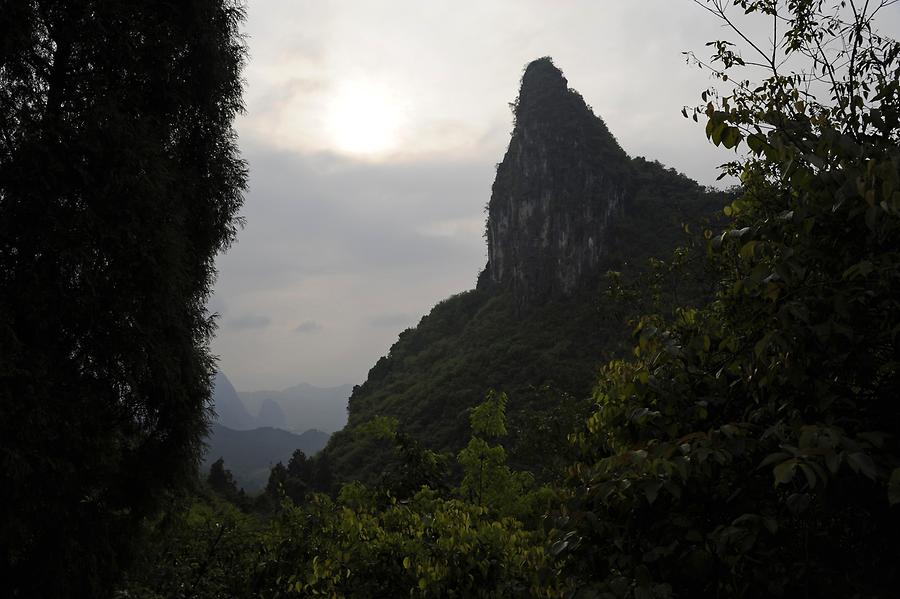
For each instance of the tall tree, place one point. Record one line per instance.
(120, 181)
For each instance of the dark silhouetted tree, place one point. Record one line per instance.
(120, 181)
(323, 477)
(277, 476)
(300, 466)
(221, 480)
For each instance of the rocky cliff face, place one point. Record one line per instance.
(567, 204)
(563, 181)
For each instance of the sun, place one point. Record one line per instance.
(364, 118)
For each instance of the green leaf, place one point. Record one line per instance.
(651, 490)
(717, 133)
(756, 143)
(858, 271)
(489, 417)
(558, 547)
(833, 461)
(894, 487)
(772, 458)
(810, 475)
(731, 137)
(784, 472)
(748, 249)
(861, 462)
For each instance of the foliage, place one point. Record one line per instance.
(378, 542)
(199, 548)
(423, 547)
(295, 482)
(487, 479)
(221, 481)
(748, 448)
(119, 183)
(426, 547)
(546, 362)
(436, 372)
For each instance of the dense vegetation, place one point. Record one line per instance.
(547, 357)
(119, 183)
(748, 446)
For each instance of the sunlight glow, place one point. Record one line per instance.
(364, 119)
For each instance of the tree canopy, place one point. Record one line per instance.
(120, 180)
(750, 448)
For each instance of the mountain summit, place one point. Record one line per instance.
(568, 204)
(562, 182)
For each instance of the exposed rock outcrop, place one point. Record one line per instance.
(567, 205)
(561, 184)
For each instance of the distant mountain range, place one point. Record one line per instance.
(303, 406)
(251, 454)
(297, 408)
(230, 411)
(252, 431)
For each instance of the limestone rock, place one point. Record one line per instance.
(563, 181)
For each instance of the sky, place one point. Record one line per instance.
(372, 132)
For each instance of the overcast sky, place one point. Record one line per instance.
(372, 132)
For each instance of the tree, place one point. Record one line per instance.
(221, 480)
(299, 476)
(487, 479)
(119, 183)
(751, 447)
(277, 477)
(300, 466)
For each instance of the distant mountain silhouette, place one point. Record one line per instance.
(271, 414)
(298, 408)
(250, 454)
(305, 406)
(230, 411)
(251, 445)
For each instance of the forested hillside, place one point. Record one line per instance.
(567, 207)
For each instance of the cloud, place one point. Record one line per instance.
(313, 215)
(309, 326)
(249, 322)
